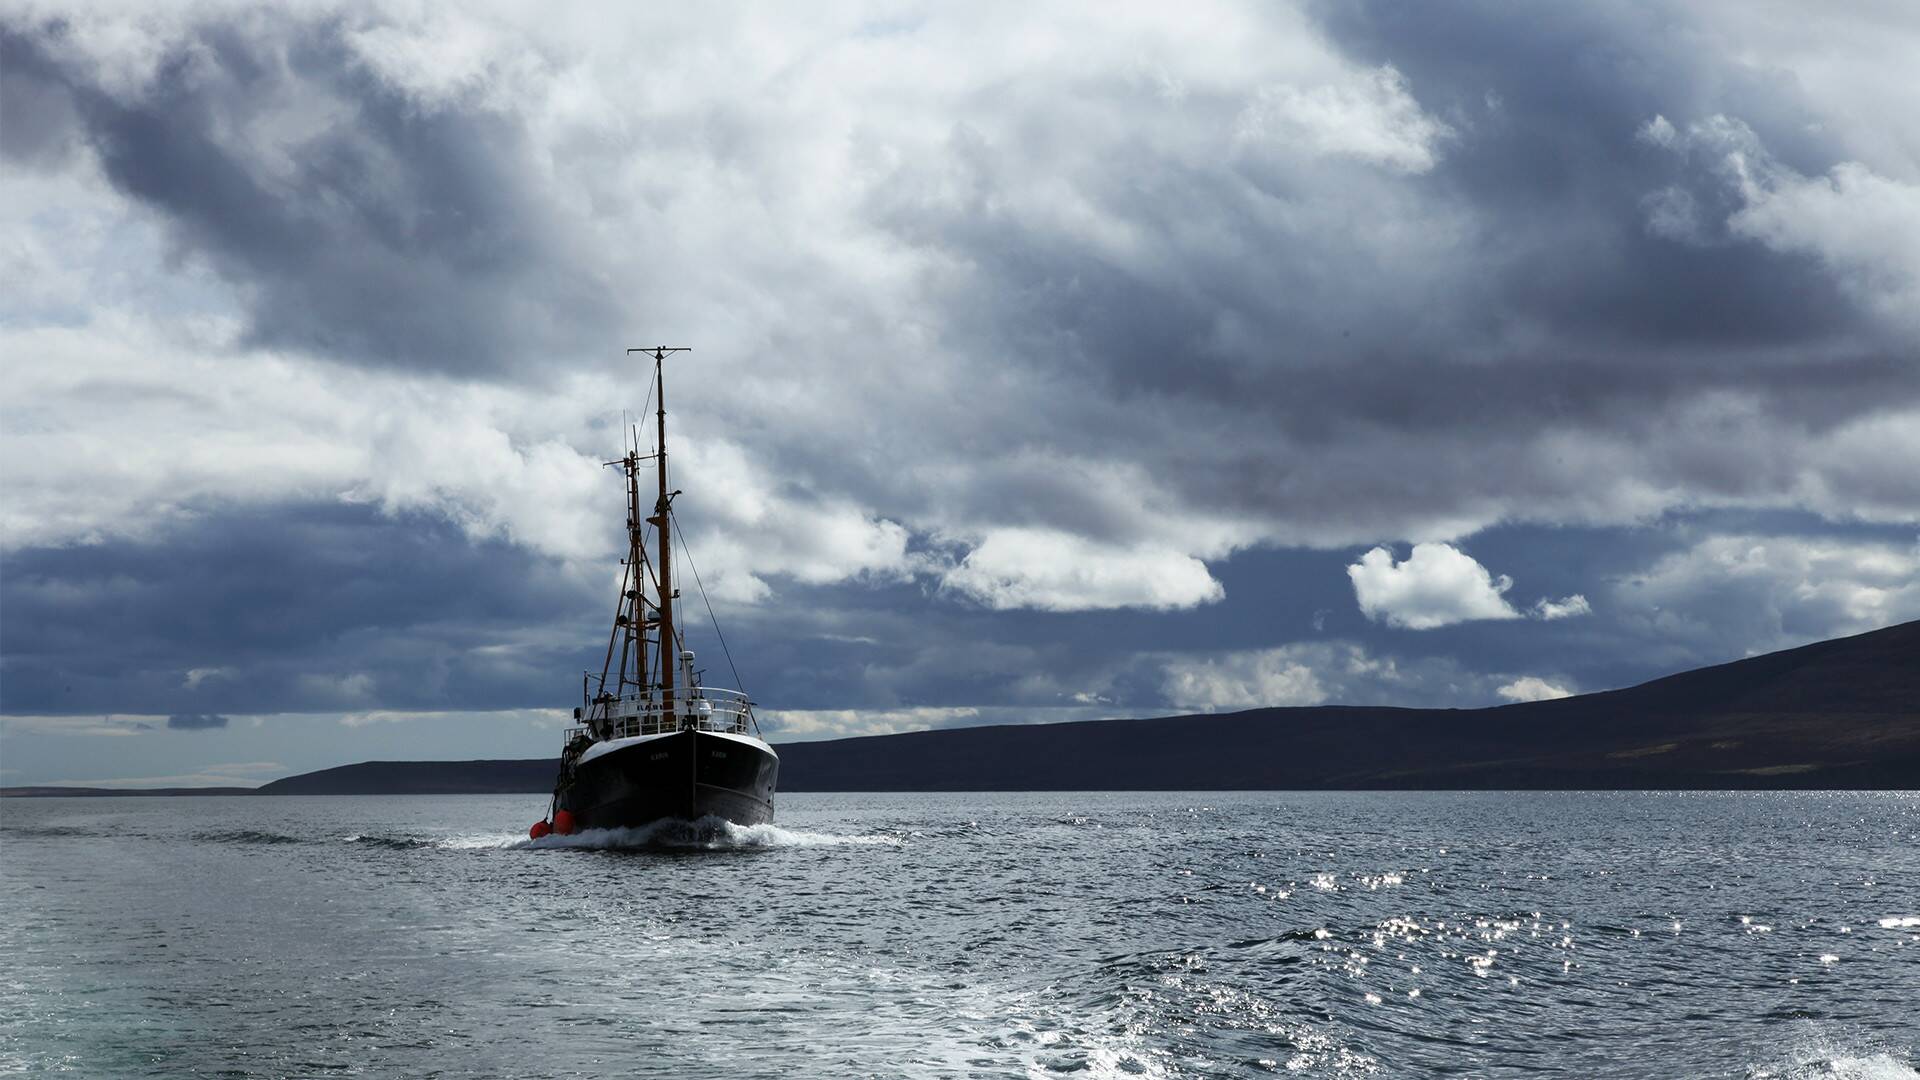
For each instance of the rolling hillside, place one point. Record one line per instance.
(1842, 713)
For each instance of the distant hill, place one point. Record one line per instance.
(1843, 714)
(423, 778)
(81, 792)
(1837, 714)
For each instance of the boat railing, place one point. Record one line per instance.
(702, 708)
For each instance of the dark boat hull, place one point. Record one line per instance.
(686, 774)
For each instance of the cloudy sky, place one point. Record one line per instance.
(1051, 362)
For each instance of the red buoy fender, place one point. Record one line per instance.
(540, 829)
(562, 822)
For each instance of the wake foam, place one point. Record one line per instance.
(669, 834)
(706, 834)
(1820, 1060)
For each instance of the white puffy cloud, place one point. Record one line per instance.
(1252, 680)
(1438, 585)
(1864, 225)
(198, 424)
(1563, 608)
(1371, 117)
(1849, 69)
(539, 718)
(746, 527)
(1057, 571)
(1756, 593)
(1319, 673)
(799, 725)
(1533, 688)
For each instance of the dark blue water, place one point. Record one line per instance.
(1497, 935)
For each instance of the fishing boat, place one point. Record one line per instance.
(653, 740)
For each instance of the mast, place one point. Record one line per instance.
(636, 619)
(669, 648)
(629, 618)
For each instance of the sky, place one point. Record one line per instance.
(1051, 362)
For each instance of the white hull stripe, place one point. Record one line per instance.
(602, 749)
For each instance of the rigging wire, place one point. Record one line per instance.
(607, 665)
(651, 383)
(686, 550)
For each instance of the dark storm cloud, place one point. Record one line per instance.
(353, 221)
(38, 123)
(1332, 338)
(1437, 359)
(1551, 179)
(291, 608)
(1553, 99)
(196, 721)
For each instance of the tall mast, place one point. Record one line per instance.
(629, 621)
(662, 520)
(636, 618)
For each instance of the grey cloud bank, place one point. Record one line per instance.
(1049, 362)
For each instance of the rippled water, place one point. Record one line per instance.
(1657, 935)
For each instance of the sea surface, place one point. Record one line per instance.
(1095, 935)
